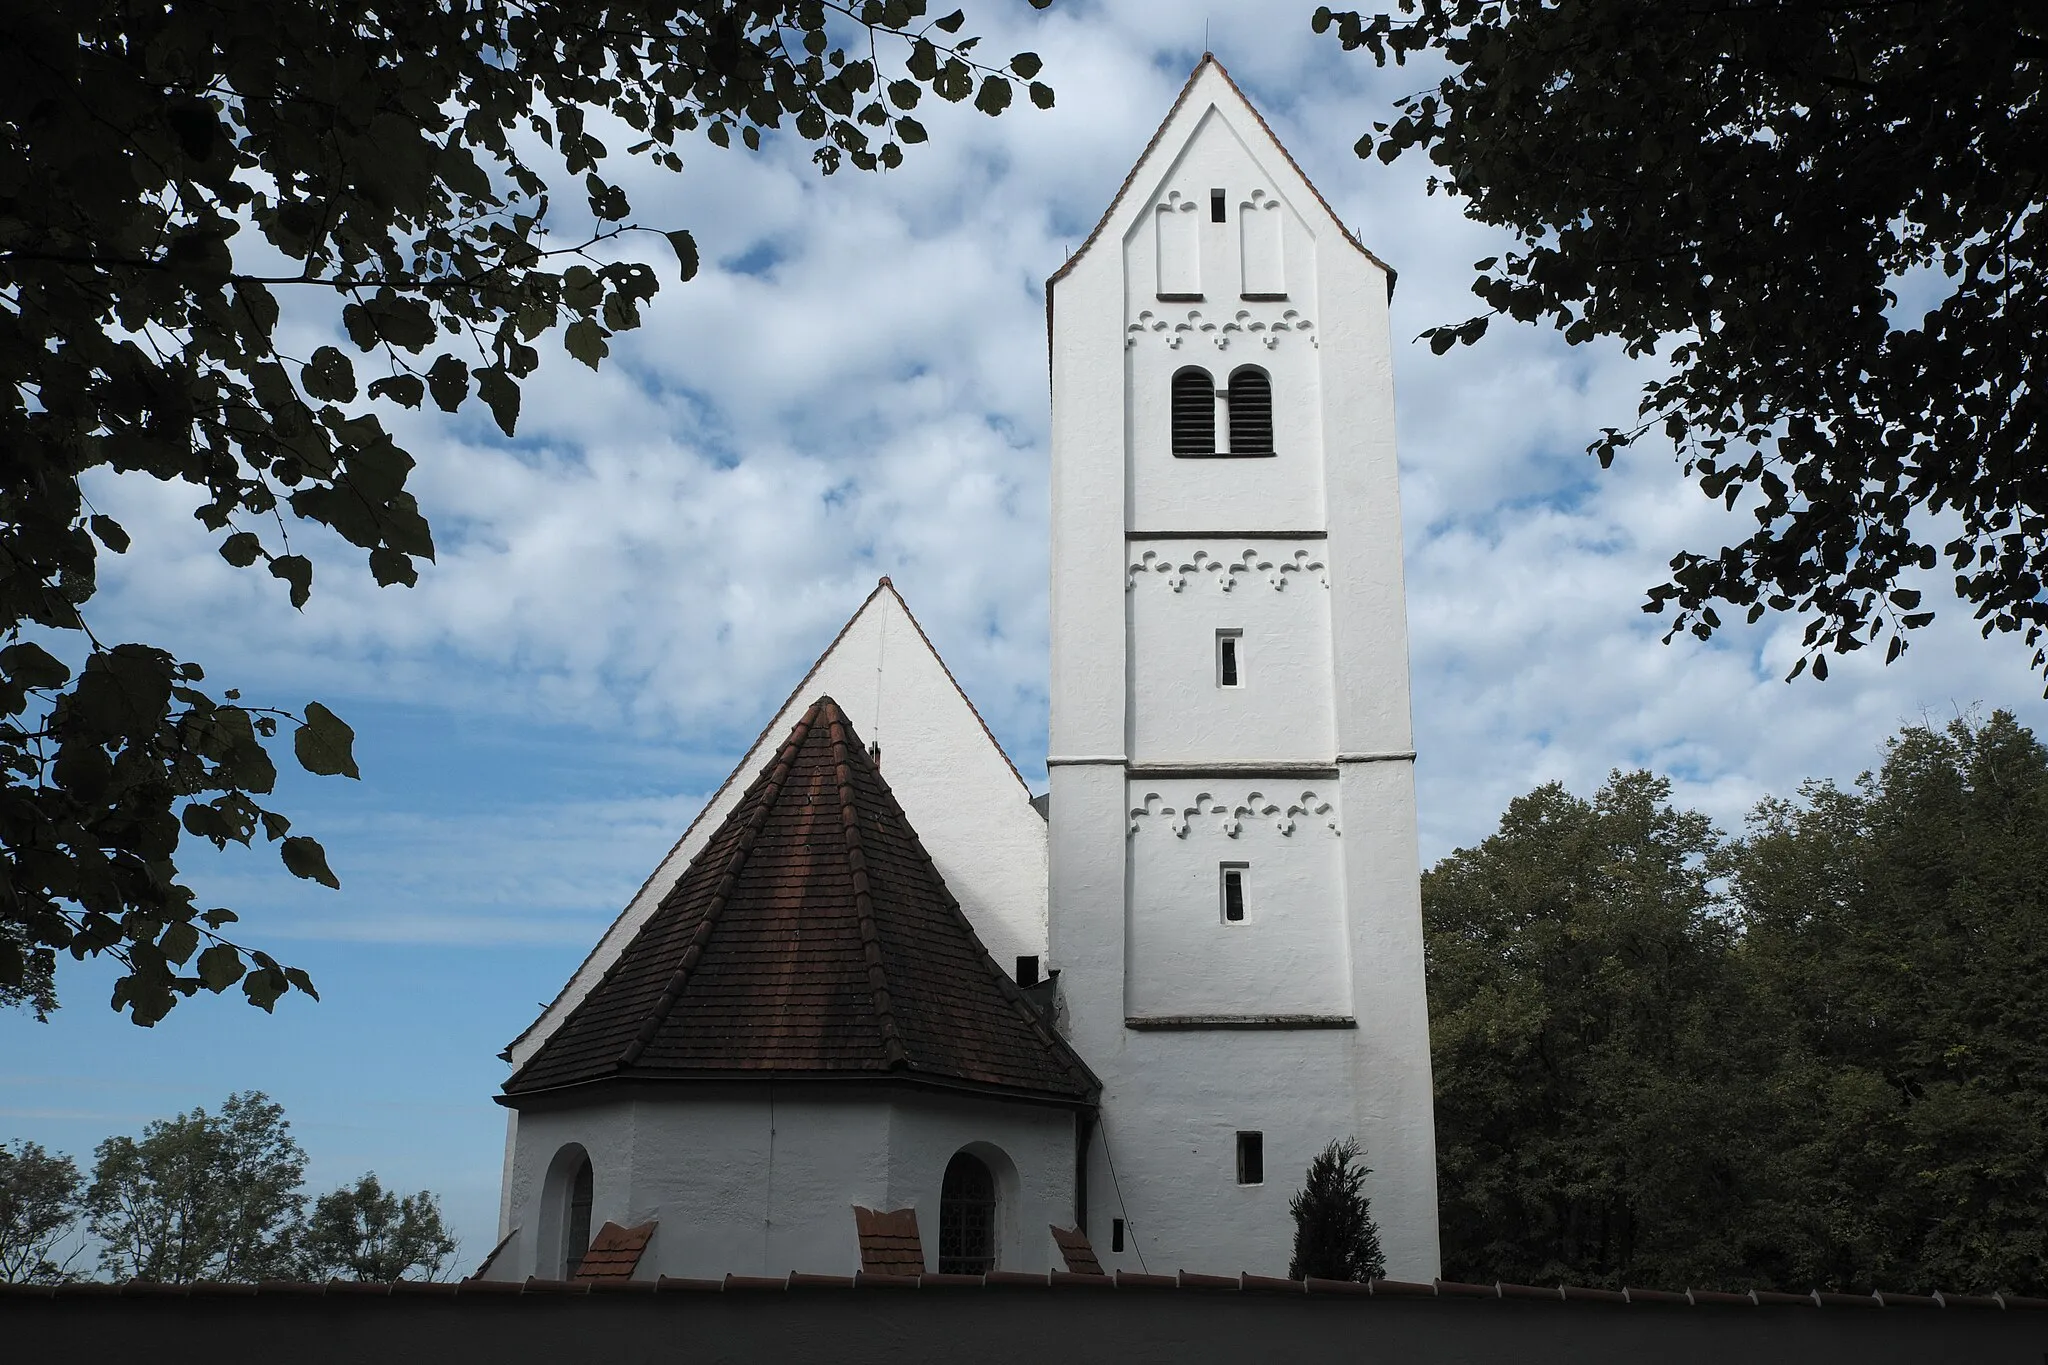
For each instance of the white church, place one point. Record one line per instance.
(881, 1010)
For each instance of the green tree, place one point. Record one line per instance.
(1335, 1237)
(365, 1232)
(38, 1210)
(1829, 220)
(200, 1196)
(1593, 1110)
(1900, 933)
(171, 177)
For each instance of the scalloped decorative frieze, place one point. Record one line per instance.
(1178, 568)
(1229, 815)
(1247, 325)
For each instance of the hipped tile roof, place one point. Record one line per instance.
(614, 1253)
(810, 936)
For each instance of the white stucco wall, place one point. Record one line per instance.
(762, 1180)
(1141, 735)
(969, 807)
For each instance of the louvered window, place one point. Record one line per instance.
(967, 1217)
(1251, 412)
(1194, 413)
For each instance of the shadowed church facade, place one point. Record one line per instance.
(879, 1009)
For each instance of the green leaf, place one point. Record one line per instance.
(500, 393)
(27, 664)
(220, 967)
(1026, 64)
(304, 857)
(406, 389)
(110, 534)
(448, 381)
(297, 570)
(1041, 94)
(325, 745)
(686, 251)
(584, 339)
(179, 941)
(241, 549)
(952, 22)
(329, 377)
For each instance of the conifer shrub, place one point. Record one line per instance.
(1334, 1235)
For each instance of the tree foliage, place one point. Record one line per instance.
(1812, 1056)
(200, 1196)
(171, 177)
(38, 1210)
(1335, 1237)
(1830, 219)
(365, 1232)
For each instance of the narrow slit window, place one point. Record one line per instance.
(1216, 206)
(1194, 413)
(1251, 412)
(1230, 658)
(1233, 892)
(1116, 1234)
(1251, 1158)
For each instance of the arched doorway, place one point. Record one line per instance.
(967, 1217)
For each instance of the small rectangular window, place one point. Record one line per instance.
(1251, 1158)
(1233, 892)
(1229, 658)
(1116, 1234)
(1215, 206)
(1027, 970)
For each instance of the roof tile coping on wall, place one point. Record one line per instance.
(1076, 1250)
(1124, 1282)
(614, 1254)
(889, 1242)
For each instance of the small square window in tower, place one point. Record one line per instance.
(1251, 1158)
(1230, 658)
(1232, 879)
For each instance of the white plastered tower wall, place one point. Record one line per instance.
(966, 800)
(1306, 1020)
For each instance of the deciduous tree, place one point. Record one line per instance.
(38, 1211)
(365, 1232)
(200, 1196)
(173, 177)
(1828, 220)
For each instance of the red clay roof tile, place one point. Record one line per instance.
(889, 1244)
(615, 1252)
(1076, 1251)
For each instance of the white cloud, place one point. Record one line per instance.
(855, 385)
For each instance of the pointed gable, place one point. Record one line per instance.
(811, 936)
(1208, 86)
(967, 799)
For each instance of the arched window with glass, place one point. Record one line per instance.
(967, 1217)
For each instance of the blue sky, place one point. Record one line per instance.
(855, 385)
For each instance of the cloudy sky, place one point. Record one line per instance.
(855, 385)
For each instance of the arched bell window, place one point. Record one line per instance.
(967, 1217)
(1251, 412)
(1194, 412)
(566, 1197)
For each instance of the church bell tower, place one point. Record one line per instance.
(1234, 894)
